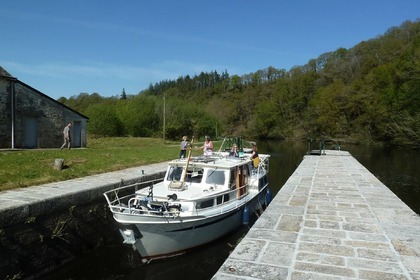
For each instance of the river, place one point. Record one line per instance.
(397, 168)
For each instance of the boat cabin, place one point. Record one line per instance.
(222, 174)
(203, 183)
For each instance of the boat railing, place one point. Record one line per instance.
(236, 194)
(236, 198)
(123, 198)
(118, 199)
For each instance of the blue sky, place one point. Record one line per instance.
(63, 48)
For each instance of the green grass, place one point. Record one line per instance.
(24, 168)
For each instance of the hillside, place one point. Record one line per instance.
(368, 93)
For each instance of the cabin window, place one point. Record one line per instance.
(194, 175)
(223, 198)
(205, 204)
(174, 173)
(215, 177)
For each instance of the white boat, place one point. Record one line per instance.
(199, 200)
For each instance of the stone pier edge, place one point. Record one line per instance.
(332, 219)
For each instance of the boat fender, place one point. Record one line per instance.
(268, 196)
(245, 215)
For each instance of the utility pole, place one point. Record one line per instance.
(164, 117)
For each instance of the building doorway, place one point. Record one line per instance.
(77, 134)
(30, 138)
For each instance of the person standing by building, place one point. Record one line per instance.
(67, 137)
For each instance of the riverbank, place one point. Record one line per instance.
(27, 168)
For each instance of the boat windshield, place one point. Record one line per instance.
(192, 176)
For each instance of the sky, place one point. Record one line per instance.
(64, 48)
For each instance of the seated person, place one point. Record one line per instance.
(254, 155)
(234, 152)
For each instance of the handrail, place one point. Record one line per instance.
(113, 206)
(111, 202)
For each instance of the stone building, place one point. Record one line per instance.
(31, 119)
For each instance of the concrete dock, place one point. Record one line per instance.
(331, 220)
(17, 200)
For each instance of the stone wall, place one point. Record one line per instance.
(40, 237)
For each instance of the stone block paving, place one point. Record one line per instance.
(18, 204)
(331, 220)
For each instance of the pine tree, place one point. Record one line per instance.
(123, 94)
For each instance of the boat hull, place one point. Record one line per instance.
(165, 237)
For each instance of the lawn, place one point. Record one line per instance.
(24, 168)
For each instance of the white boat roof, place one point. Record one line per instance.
(221, 160)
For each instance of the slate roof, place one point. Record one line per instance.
(4, 73)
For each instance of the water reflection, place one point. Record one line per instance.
(118, 261)
(396, 168)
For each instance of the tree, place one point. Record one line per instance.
(123, 94)
(138, 115)
(327, 111)
(103, 121)
(266, 121)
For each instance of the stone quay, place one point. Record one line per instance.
(44, 227)
(332, 219)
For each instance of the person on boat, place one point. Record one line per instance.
(234, 152)
(184, 145)
(254, 155)
(207, 147)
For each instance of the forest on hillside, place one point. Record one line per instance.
(366, 94)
